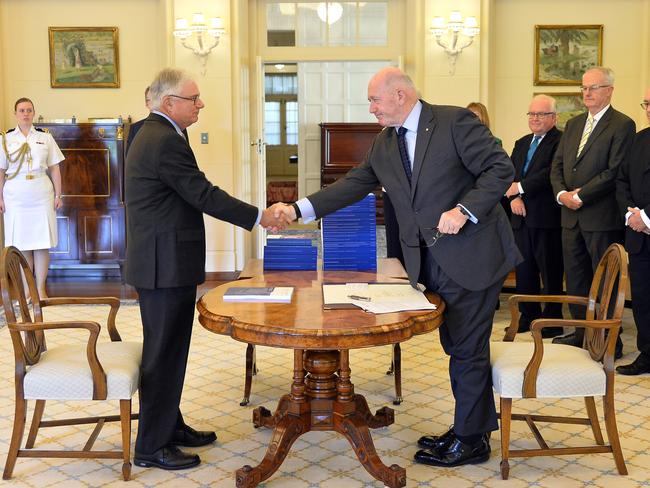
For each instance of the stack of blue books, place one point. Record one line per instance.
(287, 252)
(350, 237)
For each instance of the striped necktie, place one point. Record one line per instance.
(585, 135)
(403, 151)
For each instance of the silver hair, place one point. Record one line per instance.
(608, 73)
(167, 82)
(548, 99)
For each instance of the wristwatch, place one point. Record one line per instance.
(463, 211)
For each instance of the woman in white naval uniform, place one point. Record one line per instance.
(28, 197)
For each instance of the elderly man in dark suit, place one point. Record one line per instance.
(583, 176)
(535, 215)
(633, 194)
(441, 168)
(166, 196)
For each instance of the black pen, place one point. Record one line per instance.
(357, 297)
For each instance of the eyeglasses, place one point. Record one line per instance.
(193, 98)
(593, 87)
(431, 241)
(645, 105)
(539, 115)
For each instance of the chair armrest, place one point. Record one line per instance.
(113, 302)
(515, 300)
(100, 388)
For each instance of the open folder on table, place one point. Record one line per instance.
(375, 297)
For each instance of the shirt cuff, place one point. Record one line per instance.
(576, 198)
(306, 210)
(520, 188)
(259, 217)
(557, 197)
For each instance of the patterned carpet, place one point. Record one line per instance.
(211, 401)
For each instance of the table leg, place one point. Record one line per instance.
(322, 400)
(250, 371)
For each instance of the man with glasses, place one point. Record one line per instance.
(166, 197)
(441, 168)
(583, 176)
(535, 215)
(634, 199)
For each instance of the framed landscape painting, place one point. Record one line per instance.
(564, 52)
(84, 57)
(568, 105)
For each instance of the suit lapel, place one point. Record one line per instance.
(426, 125)
(396, 160)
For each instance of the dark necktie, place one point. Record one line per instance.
(403, 152)
(529, 155)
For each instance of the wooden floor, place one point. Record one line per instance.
(102, 287)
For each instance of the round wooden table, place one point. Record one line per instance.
(322, 395)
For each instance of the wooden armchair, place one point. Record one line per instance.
(89, 370)
(544, 370)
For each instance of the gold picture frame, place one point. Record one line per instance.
(564, 52)
(84, 57)
(567, 106)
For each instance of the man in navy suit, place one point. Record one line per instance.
(445, 174)
(535, 215)
(583, 175)
(633, 195)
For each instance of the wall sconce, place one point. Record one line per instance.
(207, 37)
(458, 36)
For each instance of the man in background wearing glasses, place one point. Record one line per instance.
(166, 197)
(583, 175)
(535, 215)
(634, 199)
(445, 175)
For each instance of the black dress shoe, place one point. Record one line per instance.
(618, 352)
(168, 457)
(640, 365)
(189, 437)
(437, 442)
(456, 454)
(569, 340)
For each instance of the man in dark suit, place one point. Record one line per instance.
(583, 176)
(166, 196)
(633, 194)
(535, 215)
(441, 169)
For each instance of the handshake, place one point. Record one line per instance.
(277, 217)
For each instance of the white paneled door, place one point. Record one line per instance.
(328, 92)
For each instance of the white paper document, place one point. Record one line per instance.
(375, 297)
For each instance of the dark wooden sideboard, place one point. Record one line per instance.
(91, 222)
(343, 146)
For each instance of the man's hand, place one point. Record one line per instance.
(452, 221)
(274, 219)
(568, 201)
(513, 190)
(635, 222)
(518, 207)
(284, 212)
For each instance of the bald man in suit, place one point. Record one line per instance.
(445, 175)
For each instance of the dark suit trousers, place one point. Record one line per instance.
(167, 317)
(640, 285)
(582, 250)
(465, 337)
(542, 253)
